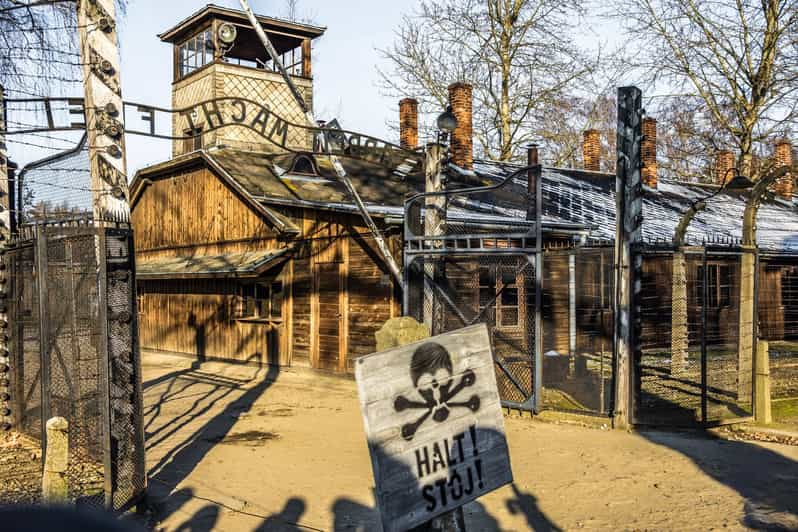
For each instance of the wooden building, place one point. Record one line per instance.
(254, 251)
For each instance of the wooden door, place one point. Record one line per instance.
(329, 312)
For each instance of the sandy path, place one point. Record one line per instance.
(239, 448)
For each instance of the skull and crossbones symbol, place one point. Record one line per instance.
(431, 372)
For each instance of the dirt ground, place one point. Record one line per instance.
(242, 448)
(20, 469)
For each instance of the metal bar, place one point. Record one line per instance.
(339, 169)
(276, 59)
(140, 476)
(44, 328)
(476, 236)
(754, 330)
(538, 340)
(470, 252)
(704, 302)
(104, 386)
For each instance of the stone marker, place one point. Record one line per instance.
(762, 411)
(400, 331)
(54, 482)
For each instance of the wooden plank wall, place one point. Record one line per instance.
(167, 225)
(191, 212)
(370, 294)
(555, 303)
(195, 317)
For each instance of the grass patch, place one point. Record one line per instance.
(785, 411)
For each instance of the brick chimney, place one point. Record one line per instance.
(648, 150)
(591, 149)
(408, 123)
(783, 156)
(724, 163)
(462, 145)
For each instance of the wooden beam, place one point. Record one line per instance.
(343, 300)
(628, 231)
(104, 110)
(307, 69)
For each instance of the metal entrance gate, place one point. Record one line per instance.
(549, 309)
(691, 369)
(481, 283)
(65, 298)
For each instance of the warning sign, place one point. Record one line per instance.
(434, 424)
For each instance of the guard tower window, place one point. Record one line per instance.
(291, 59)
(195, 53)
(194, 142)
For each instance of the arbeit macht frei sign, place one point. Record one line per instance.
(434, 425)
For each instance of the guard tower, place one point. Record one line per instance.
(207, 66)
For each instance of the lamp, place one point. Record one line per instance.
(447, 122)
(227, 34)
(739, 182)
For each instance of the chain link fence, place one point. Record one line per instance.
(778, 322)
(578, 321)
(74, 354)
(693, 367)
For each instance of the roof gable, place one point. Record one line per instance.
(200, 159)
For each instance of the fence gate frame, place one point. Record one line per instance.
(436, 248)
(677, 377)
(115, 445)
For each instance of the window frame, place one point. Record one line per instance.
(261, 304)
(496, 283)
(194, 53)
(719, 284)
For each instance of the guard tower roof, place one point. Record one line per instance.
(271, 25)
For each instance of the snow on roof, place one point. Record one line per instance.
(588, 198)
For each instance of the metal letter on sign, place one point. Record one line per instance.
(434, 425)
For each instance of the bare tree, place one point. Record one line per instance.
(566, 119)
(38, 45)
(516, 53)
(736, 61)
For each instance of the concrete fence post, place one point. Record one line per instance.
(54, 482)
(762, 412)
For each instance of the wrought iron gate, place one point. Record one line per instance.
(72, 286)
(549, 308)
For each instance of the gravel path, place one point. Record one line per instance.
(239, 448)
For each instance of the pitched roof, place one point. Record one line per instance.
(203, 14)
(575, 201)
(249, 264)
(588, 198)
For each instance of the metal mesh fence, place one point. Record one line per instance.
(778, 322)
(126, 436)
(65, 298)
(454, 292)
(24, 339)
(691, 368)
(71, 335)
(578, 329)
(58, 188)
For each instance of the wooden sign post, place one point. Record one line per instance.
(434, 425)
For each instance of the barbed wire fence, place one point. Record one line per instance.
(71, 328)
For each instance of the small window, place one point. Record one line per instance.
(719, 285)
(194, 142)
(304, 164)
(195, 53)
(499, 291)
(261, 301)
